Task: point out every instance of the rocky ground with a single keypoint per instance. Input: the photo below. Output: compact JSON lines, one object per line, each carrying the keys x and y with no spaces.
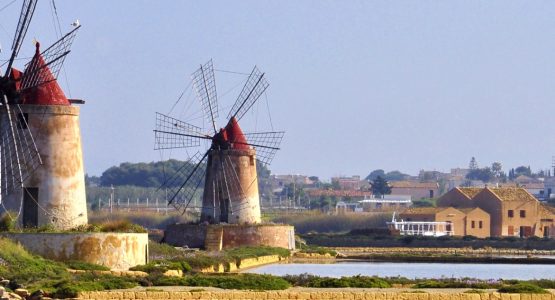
{"x":18,"y":294}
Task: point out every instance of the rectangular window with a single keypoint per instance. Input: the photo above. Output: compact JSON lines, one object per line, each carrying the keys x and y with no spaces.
{"x":511,"y":213}
{"x":480,"y":224}
{"x":522,"y":213}
{"x":473,"y":224}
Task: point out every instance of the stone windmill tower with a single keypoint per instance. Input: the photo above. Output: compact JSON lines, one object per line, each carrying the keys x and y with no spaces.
{"x":228,"y":167}
{"x":41,"y":163}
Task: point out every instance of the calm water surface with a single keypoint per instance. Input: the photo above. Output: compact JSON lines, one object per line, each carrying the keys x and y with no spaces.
{"x":413,"y":270}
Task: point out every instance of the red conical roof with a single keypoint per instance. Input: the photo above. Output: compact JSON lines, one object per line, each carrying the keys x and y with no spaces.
{"x":235,"y":135}
{"x":48,"y":93}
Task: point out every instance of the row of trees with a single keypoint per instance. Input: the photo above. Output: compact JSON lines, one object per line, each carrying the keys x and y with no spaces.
{"x":495,"y":172}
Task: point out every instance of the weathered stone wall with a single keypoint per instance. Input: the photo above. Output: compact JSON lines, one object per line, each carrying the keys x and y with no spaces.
{"x":118,"y":251}
{"x":181,"y":235}
{"x":259,"y":235}
{"x":60,"y":179}
{"x":234,"y":235}
{"x":310,"y":294}
{"x":244,"y":207}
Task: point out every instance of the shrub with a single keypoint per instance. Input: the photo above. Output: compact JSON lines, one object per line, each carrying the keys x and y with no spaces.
{"x":163,"y":266}
{"x":32,"y":271}
{"x":91,"y":282}
{"x":315,"y":249}
{"x":80,"y":265}
{"x":121,"y":226}
{"x":523,"y":288}
{"x":469,"y":238}
{"x":307,"y":222}
{"x":229,"y":281}
{"x":544,"y":283}
{"x":308,"y":280}
{"x":7,"y":223}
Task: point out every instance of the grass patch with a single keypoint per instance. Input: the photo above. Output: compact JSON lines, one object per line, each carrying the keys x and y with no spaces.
{"x":80,"y":265}
{"x":25,"y":269}
{"x":163,"y":266}
{"x":308,"y":280}
{"x":523,"y":288}
{"x":91,"y":282}
{"x":475,"y":291}
{"x":250,"y":252}
{"x":304,"y":248}
{"x":229,"y":281}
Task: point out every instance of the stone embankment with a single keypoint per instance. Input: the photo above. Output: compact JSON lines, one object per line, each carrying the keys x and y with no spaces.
{"x":464,"y":251}
{"x":310,"y":294}
{"x":243,"y":264}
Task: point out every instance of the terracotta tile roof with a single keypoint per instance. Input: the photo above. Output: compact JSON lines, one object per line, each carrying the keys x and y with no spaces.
{"x":413,"y":184}
{"x":470,"y":192}
{"x":512,"y":194}
{"x":533,"y":185}
{"x":546,"y":210}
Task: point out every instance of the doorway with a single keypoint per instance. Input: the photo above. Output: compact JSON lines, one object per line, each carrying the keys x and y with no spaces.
{"x":30,"y":207}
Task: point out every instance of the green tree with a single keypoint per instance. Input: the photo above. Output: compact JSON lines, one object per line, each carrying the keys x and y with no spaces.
{"x":483,"y":174}
{"x":395,"y":176}
{"x":523,"y":170}
{"x":473,"y":165}
{"x":496,"y":168}
{"x":380,"y":186}
{"x":374,"y":174}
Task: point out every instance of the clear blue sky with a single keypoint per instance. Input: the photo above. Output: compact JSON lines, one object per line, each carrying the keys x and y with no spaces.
{"x":357,"y":85}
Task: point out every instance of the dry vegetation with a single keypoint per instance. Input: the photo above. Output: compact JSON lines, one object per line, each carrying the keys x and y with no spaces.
{"x":324,"y":223}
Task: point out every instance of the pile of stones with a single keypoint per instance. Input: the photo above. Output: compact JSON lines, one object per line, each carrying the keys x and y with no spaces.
{"x":18,"y":294}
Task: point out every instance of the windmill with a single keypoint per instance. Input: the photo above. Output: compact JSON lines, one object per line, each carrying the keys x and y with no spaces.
{"x":228,"y":166}
{"x":24,"y":95}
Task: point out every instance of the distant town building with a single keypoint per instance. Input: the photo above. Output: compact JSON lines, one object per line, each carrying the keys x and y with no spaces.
{"x":386,"y":203}
{"x":347,"y":183}
{"x":417,"y":190}
{"x":466,"y":221}
{"x":283,"y":180}
{"x":513,"y":211}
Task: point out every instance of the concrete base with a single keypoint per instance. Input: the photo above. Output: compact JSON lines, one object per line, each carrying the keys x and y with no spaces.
{"x":218,"y":237}
{"x":117,"y":251}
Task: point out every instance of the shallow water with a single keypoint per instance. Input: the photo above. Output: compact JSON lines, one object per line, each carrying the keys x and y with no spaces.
{"x":413,"y":270}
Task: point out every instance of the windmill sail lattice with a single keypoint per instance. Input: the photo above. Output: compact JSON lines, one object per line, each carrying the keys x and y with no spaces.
{"x":19,"y":156}
{"x":52,"y":59}
{"x":253,"y":89}
{"x":172,"y":133}
{"x":204,"y":83}
{"x":227,"y":167}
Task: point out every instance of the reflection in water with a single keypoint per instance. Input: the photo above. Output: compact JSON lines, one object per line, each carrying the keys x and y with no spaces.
{"x":413,"y":270}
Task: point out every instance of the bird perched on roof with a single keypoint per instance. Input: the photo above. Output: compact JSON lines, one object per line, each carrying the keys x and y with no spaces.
{"x":76,"y":23}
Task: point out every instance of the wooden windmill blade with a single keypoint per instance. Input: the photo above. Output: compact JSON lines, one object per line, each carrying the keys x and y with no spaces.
{"x":204,"y":83}
{"x":19,"y":156}
{"x":254,"y":87}
{"x":183,"y":186}
{"x":266,"y":144}
{"x":45,"y":67}
{"x":27,"y":12}
{"x":171,"y":133}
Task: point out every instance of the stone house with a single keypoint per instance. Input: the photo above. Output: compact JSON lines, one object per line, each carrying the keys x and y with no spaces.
{"x":458,"y":197}
{"x":513,"y":211}
{"x":465,"y":221}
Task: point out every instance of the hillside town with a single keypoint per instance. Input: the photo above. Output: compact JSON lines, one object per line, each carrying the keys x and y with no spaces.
{"x":473,"y":201}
